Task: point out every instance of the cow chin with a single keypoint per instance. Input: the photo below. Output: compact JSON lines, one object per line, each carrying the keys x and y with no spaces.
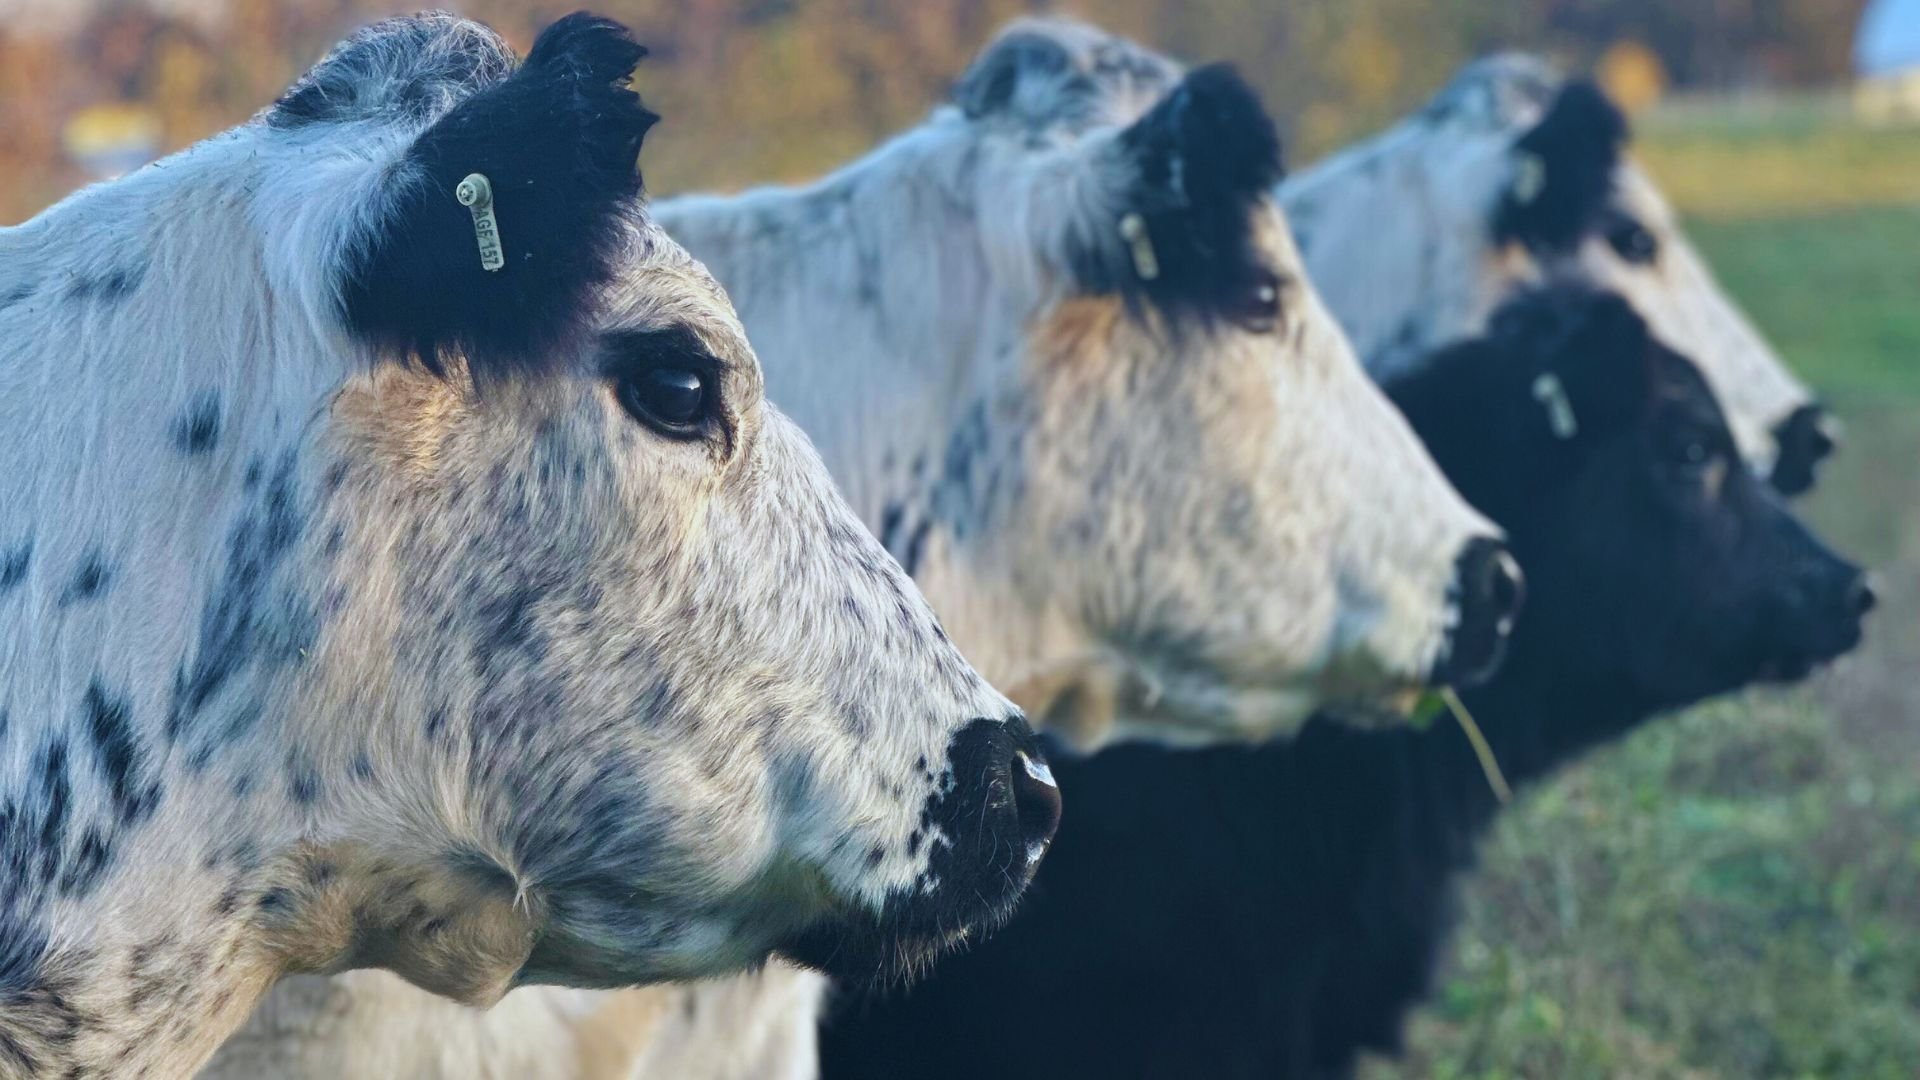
{"x":894,"y":947}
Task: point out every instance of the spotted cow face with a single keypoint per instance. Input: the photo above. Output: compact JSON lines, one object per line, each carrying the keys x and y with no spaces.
{"x":1206,"y":478}
{"x":491,"y":624}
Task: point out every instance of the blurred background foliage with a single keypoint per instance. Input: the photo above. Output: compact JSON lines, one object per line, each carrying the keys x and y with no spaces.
{"x":1732,"y":893}
{"x":764,"y":89}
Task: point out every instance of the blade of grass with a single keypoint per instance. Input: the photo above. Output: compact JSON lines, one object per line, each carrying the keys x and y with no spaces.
{"x":1489,"y":765}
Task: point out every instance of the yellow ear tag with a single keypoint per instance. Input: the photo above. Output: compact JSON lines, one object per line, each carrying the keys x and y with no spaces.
{"x":1133,"y":229}
{"x":476,"y":194}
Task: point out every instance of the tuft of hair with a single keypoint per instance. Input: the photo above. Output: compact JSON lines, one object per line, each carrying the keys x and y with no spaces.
{"x":406,"y":70}
{"x":1206,"y":155}
{"x":1573,"y":152}
{"x":559,"y":141}
{"x":1059,"y":72}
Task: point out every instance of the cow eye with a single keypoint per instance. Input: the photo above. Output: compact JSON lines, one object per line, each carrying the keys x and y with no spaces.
{"x":1633,"y":242}
{"x":665,"y":379}
{"x":1689,"y":451}
{"x":671,"y":399}
{"x":1258,"y":306}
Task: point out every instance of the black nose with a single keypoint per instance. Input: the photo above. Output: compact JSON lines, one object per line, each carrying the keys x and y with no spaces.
{"x":1488,"y":592}
{"x":1036,"y":801}
{"x":1805,"y":439}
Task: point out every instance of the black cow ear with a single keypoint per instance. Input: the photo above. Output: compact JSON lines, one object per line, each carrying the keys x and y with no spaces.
{"x":1588,"y":358}
{"x":994,"y":80}
{"x":1563,"y":171}
{"x":508,"y":212}
{"x":1196,"y":166}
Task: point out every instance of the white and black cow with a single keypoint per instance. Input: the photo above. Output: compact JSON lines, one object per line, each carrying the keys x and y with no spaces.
{"x":400,"y":569}
{"x":1070,"y":369}
{"x":1274,"y":912}
{"x":1513,"y":176}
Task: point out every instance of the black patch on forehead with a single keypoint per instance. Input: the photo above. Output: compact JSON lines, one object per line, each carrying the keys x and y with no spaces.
{"x":992,"y":82}
{"x":558,"y":141}
{"x":1565,"y":168}
{"x":409,"y":68}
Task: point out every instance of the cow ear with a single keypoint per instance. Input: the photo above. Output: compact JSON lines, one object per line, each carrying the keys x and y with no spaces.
{"x":1563,"y":169}
{"x":995,"y":80}
{"x":1590,"y":358}
{"x":1192,"y":170}
{"x":506,"y":215}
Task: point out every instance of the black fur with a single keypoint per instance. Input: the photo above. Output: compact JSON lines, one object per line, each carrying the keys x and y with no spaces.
{"x":1272,"y":912}
{"x":973,"y":867}
{"x":1578,"y":143}
{"x":1206,"y":156}
{"x":559,"y":140}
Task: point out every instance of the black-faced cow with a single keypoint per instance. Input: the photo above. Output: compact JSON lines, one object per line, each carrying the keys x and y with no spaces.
{"x":447,"y":600}
{"x":1057,"y":348}
{"x":1511,"y":177}
{"x":1273,"y":912}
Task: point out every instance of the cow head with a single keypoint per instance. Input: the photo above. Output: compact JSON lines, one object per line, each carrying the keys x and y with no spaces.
{"x":492,"y":626}
{"x":1511,"y":177}
{"x":1202,"y":484}
{"x":1660,"y":567}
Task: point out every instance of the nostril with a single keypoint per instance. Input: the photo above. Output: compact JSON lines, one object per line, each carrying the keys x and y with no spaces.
{"x":1506,"y":589}
{"x":1036,"y":801}
{"x":1862,"y":597}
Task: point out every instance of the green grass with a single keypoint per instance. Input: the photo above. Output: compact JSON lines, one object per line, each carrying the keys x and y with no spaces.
{"x":1837,"y":292}
{"x":1736,"y":892}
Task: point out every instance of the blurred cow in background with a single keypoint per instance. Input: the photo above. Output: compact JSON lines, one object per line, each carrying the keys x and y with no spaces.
{"x":1510,"y":178}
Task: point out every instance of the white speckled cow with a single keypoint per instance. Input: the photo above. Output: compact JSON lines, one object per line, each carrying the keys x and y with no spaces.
{"x":363,"y":607}
{"x":1512,"y":176}
{"x":1058,"y":349}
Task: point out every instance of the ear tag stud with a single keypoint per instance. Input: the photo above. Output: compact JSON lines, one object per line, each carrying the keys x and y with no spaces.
{"x":1531,"y":179}
{"x":1552,"y":395}
{"x":476,"y":194}
{"x":1133,"y":229}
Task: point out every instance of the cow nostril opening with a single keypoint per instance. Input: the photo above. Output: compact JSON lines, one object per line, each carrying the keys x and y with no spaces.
{"x":1036,"y":802}
{"x":1506,"y":589}
{"x":1862,"y":597}
{"x":1489,"y":591}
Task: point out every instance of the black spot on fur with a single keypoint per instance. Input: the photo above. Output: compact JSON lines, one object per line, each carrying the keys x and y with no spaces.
{"x":239,"y":624}
{"x":14,"y":565}
{"x":303,"y":781}
{"x":89,"y":581}
{"x":362,"y":768}
{"x":198,"y":430}
{"x":118,"y":754}
{"x":1577,"y":146}
{"x":88,"y":863}
{"x":558,"y":140}
{"x":113,"y":286}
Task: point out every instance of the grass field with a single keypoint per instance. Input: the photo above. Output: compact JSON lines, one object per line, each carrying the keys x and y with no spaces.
{"x":1736,"y":892}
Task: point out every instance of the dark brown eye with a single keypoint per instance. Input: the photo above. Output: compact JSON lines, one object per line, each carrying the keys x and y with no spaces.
{"x":1633,"y":242}
{"x":673,"y":400}
{"x":1258,"y":306}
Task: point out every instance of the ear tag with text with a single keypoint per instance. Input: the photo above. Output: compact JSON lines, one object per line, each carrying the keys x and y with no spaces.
{"x":1133,"y":229}
{"x":476,"y":194}
{"x":1552,"y":395}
